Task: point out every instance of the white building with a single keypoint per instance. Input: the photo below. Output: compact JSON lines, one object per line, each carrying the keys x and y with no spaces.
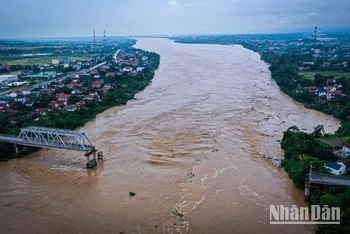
{"x":345,"y":151}
{"x":335,"y":168}
{"x":5,"y":79}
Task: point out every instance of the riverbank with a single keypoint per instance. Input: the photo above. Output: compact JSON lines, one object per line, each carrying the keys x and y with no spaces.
{"x":122,"y":89}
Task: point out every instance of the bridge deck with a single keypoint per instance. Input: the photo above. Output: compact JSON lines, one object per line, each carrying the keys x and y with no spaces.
{"x":328,"y":179}
{"x":50,"y":138}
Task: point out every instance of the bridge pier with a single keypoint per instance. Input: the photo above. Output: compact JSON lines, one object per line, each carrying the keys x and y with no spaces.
{"x":307,"y":189}
{"x":93,"y":162}
{"x":16,"y":148}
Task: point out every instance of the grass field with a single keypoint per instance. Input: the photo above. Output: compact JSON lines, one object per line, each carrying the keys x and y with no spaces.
{"x":4,"y":47}
{"x":335,"y":74}
{"x":18,"y":60}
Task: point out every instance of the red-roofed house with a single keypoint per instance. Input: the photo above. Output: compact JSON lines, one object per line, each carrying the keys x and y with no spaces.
{"x":110,"y":74}
{"x":335,"y":94}
{"x":330,"y":88}
{"x":94,"y":72}
{"x":104,"y":90}
{"x":71,"y":85}
{"x":302,"y":68}
{"x":42,"y":111}
{"x":326,"y":64}
{"x":71,"y":107}
{"x":92,"y":96}
{"x":46,"y":91}
{"x":63,"y":96}
{"x":127,"y":69}
{"x":312,"y":89}
{"x":57,"y":103}
{"x":97,"y":84}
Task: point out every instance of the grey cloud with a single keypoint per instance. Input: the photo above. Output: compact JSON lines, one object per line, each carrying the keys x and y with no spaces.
{"x":39,"y":18}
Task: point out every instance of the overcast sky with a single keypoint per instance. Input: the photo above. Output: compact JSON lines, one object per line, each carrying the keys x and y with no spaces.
{"x":70,"y":18}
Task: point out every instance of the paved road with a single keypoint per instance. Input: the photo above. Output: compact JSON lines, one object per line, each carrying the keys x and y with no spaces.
{"x":330,"y":180}
{"x":116,"y":54}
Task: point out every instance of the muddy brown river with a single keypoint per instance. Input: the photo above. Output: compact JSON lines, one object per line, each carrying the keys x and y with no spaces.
{"x":190,"y":142}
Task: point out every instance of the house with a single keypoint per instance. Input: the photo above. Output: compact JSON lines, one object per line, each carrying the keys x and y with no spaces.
{"x":110,"y":74}
{"x":330,"y":88}
{"x":71,"y":85}
{"x":105,"y":67}
{"x":61,"y":85}
{"x":127,"y":69}
{"x":140,"y":69}
{"x":45,"y":91}
{"x":94,"y":72}
{"x":75,"y":91}
{"x":104,"y":90}
{"x":92,"y":96}
{"x":97,"y":84}
{"x":20,"y":98}
{"x":326,"y":64}
{"x":336,"y":94}
{"x":57,"y":103}
{"x":63,"y":96}
{"x":335,"y":168}
{"x":321,"y":92}
{"x":135,"y":63}
{"x":302,"y":68}
{"x":312,"y":89}
{"x":3,"y":107}
{"x":29,"y":103}
{"x":26,"y":92}
{"x":345,"y":151}
{"x":42,"y":111}
{"x":71,"y":108}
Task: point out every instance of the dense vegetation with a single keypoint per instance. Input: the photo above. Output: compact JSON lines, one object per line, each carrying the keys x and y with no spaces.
{"x":300,"y":150}
{"x":284,"y":73}
{"x":125,"y":89}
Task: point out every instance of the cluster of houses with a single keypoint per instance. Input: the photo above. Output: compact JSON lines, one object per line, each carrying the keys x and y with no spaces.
{"x":80,"y":83}
{"x":328,"y":92}
{"x":342,"y":167}
{"x":25,"y":96}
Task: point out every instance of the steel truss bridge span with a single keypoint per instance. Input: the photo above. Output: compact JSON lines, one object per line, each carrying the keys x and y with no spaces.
{"x":50,"y":138}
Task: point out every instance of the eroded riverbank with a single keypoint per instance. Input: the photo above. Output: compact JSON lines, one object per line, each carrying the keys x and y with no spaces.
{"x":190,"y":142}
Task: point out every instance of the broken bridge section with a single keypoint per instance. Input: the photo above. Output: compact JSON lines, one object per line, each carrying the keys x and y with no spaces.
{"x":53,"y":138}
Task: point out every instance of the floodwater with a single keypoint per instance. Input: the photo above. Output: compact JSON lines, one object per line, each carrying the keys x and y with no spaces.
{"x":189,"y":144}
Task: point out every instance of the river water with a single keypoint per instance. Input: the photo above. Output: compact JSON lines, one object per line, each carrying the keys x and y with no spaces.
{"x":190,"y":143}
